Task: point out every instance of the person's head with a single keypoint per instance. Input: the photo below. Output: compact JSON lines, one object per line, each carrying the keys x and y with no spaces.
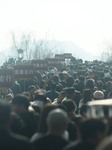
{"x":109,"y":85}
{"x":40,"y":97}
{"x":65,"y":74}
{"x":42,"y":84}
{"x":57,"y":121}
{"x":32,"y":89}
{"x":69,"y":81}
{"x":97,"y":95}
{"x":81,"y":78}
{"x":92,"y":130}
{"x":56,"y":79}
{"x":69,"y":105}
{"x":45,"y":78}
{"x":99,"y":85}
{"x":70,"y":92}
{"x":61,"y":76}
{"x":53,"y":86}
{"x":71,"y":67}
{"x":6,"y":91}
{"x":9,"y":98}
{"x":90,"y":84}
{"x":110,"y":95}
{"x":27,"y":94}
{"x":76,"y":81}
{"x":87,"y":95}
{"x":20,"y":103}
{"x":59,"y":87}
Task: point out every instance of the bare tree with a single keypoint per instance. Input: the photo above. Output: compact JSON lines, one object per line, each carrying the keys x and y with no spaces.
{"x":24,"y":43}
{"x":34,"y":49}
{"x":44,"y":49}
{"x":107,"y":53}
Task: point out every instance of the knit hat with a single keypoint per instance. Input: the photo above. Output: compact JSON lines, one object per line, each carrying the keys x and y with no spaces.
{"x":98,"y":95}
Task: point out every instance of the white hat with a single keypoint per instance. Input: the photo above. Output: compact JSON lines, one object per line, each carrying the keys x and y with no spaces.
{"x":98,"y":95}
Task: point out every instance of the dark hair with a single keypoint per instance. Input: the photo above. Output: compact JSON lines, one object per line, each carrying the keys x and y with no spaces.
{"x":69,"y":105}
{"x":90,"y":84}
{"x":99,"y":84}
{"x":55,"y":78}
{"x":70,"y":82}
{"x":53,"y":86}
{"x":40,"y":96}
{"x":81,"y":78}
{"x":90,"y":128}
{"x":31,"y":87}
{"x":42,"y":83}
{"x":87,"y":95}
{"x":21,"y":99}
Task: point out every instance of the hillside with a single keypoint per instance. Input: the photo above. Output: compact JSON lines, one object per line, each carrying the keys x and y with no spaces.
{"x":60,"y":47}
{"x":77,"y":52}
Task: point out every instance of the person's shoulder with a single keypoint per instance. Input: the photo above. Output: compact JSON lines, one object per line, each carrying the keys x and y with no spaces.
{"x":48,"y":137}
{"x":21,"y":141}
{"x":19,"y":138}
{"x":71,"y":145}
{"x":79,"y":145}
{"x":38,"y":137}
{"x":50,"y":142}
{"x":16,"y":141}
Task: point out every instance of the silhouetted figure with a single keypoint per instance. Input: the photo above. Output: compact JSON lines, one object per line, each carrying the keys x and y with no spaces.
{"x":9,"y":140}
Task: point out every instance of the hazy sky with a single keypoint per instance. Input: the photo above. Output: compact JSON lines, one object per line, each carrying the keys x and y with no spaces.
{"x":87,"y":23}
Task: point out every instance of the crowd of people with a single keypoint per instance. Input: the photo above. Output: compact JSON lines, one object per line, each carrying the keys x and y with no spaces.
{"x":51,"y":111}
